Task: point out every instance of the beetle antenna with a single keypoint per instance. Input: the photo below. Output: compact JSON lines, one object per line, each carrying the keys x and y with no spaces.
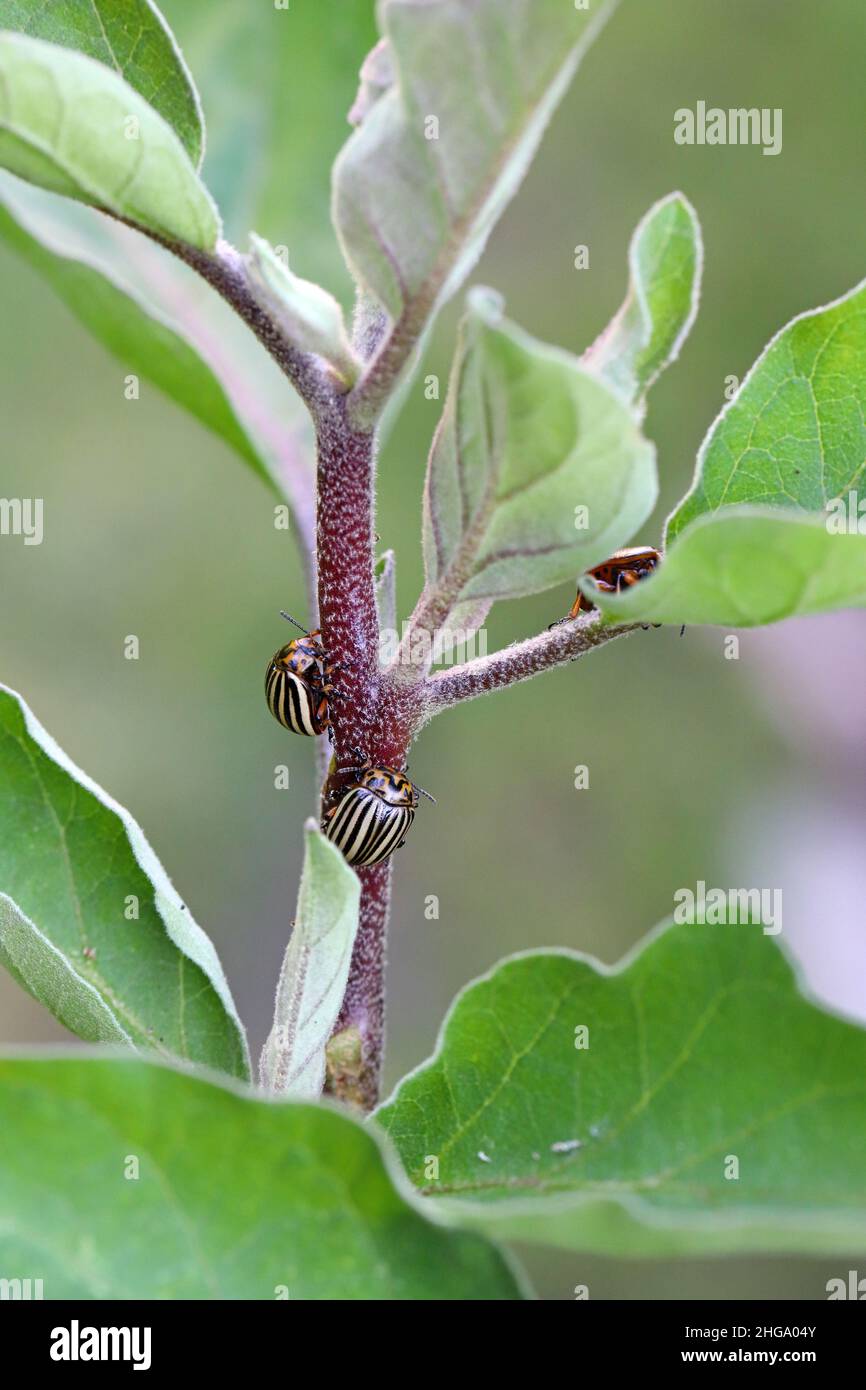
{"x":423,"y":793}
{"x":289,"y":619}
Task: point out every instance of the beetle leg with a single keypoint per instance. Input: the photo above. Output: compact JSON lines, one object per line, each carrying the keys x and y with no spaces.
{"x":361,"y":766}
{"x":581,"y":605}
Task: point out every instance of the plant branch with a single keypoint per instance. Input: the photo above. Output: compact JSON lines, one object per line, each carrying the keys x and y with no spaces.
{"x":367,"y":719}
{"x":389,"y":349}
{"x":347,"y":598}
{"x":519,"y":662}
{"x":362,"y":1016}
{"x":225,"y":271}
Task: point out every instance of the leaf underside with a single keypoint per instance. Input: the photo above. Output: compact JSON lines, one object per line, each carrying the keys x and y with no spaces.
{"x":132,"y":39}
{"x":91,"y":925}
{"x":71,"y":125}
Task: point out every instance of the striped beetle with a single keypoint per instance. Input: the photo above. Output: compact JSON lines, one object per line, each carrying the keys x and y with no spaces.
{"x":298,"y":684}
{"x":372,"y":816}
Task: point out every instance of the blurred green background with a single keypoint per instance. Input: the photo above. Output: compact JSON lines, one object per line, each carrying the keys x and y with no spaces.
{"x":740,"y":772}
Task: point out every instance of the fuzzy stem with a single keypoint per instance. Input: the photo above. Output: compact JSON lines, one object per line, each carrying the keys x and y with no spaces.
{"x":373,"y":718}
{"x":364,"y":1001}
{"x":368,"y":718}
{"x":225,"y":271}
{"x":519,"y":662}
{"x":347,"y":598}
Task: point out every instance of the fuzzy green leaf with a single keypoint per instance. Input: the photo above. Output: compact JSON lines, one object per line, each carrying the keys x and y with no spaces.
{"x":700,"y":1049}
{"x":278,"y":85}
{"x":309,"y":316}
{"x":665,"y":261}
{"x":743,"y":567}
{"x":51,"y":976}
{"x":127,"y":1180}
{"x":314,"y":973}
{"x":794,"y":436}
{"x":132,"y":38}
{"x":71,"y":125}
{"x":91,"y":925}
{"x":527,"y":437}
{"x":451,"y":111}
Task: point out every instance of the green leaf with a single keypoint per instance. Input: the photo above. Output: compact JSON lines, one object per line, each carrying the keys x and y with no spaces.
{"x":527,"y":437}
{"x":145,"y":342}
{"x":130,"y":37}
{"x":700,"y":1048}
{"x":273,"y":421}
{"x":794,"y":436}
{"x":75,"y":869}
{"x":449,"y":122}
{"x":277,"y":86}
{"x":127,"y":1180}
{"x":742,"y":567}
{"x":314,"y":973}
{"x":69,"y":124}
{"x":309,"y":316}
{"x":51,"y":977}
{"x":665,"y":260}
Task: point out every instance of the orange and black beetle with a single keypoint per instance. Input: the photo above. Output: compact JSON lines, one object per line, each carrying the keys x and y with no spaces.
{"x":373,"y":814}
{"x":624,"y":568}
{"x":298,"y":684}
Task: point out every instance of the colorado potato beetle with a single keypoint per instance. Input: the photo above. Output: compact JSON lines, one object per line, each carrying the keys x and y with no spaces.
{"x":373,"y":814}
{"x":624,"y":568}
{"x":298,"y":684}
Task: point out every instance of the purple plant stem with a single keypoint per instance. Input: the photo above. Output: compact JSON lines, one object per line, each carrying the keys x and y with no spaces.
{"x":559,"y":645}
{"x":364,"y":1001}
{"x":369,"y":720}
{"x":347,"y":599}
{"x":372,"y":718}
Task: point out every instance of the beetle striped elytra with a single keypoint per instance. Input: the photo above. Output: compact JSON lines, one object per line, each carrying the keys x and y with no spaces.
{"x":624,"y":568}
{"x":373,"y":814}
{"x":298,"y":684}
